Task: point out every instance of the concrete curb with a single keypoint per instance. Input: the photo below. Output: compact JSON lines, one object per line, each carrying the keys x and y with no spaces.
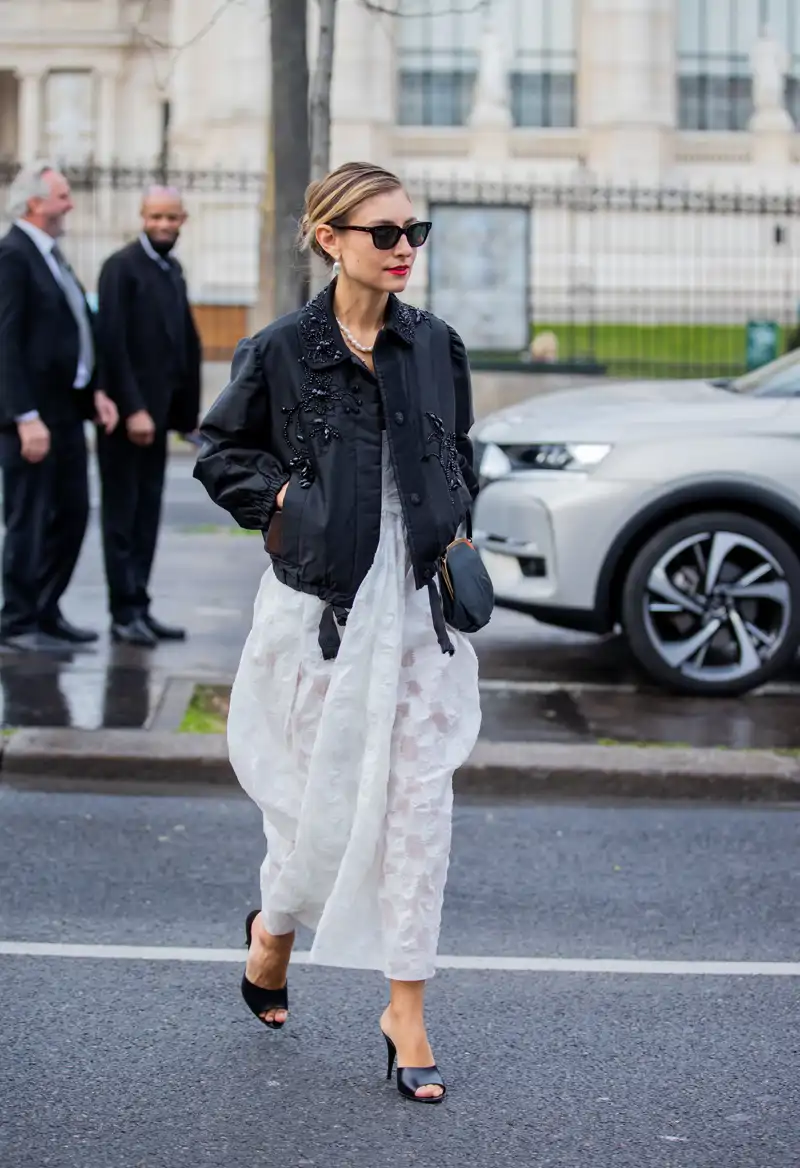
{"x":496,"y":769}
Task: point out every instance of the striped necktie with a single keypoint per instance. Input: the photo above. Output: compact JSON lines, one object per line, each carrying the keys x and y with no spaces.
{"x":79,"y":308}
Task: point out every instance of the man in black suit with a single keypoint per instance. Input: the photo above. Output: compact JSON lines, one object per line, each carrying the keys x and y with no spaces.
{"x":151,"y":366}
{"x":47,"y":390}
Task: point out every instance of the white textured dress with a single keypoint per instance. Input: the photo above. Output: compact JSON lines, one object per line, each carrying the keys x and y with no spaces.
{"x":351,"y":761}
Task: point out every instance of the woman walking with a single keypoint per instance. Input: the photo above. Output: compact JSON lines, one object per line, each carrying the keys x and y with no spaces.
{"x":343,"y":435}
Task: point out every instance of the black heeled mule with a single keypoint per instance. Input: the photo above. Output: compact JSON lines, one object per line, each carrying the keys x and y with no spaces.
{"x":259,"y":1000}
{"x":410,"y":1079}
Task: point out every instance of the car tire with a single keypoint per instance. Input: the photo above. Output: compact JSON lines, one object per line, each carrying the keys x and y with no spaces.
{"x":711,"y":604}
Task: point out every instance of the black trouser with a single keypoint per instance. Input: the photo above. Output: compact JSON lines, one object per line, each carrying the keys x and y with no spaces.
{"x":132,"y":479}
{"x":46,"y":510}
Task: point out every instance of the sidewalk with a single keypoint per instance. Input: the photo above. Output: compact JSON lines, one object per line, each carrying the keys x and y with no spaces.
{"x":496,"y":770}
{"x":562,"y":714}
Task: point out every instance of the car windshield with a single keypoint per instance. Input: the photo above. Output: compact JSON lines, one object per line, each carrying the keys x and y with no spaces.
{"x":779,"y":378}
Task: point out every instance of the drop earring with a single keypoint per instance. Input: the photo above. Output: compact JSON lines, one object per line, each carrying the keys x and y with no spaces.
{"x":337,"y":267}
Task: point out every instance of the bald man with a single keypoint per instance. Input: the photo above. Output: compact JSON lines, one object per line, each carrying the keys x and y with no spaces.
{"x":150,"y":363}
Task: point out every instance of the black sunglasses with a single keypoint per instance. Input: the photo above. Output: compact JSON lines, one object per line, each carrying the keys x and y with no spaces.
{"x":386,"y":235}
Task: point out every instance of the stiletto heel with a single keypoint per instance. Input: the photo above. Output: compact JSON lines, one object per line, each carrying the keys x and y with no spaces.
{"x":392,"y":1051}
{"x":411,"y":1079}
{"x":259,"y":1000}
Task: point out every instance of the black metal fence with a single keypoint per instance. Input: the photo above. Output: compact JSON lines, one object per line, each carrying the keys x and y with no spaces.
{"x":660,"y":282}
{"x":654,"y":282}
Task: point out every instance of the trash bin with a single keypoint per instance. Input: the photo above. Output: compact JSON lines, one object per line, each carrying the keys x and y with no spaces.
{"x":762,"y":342}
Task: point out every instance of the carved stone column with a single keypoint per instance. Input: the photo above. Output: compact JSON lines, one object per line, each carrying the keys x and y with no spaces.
{"x":363,"y":92}
{"x":771,"y":124}
{"x":627,"y":87}
{"x":491,"y":118}
{"x":106,"y":138}
{"x":29,"y":107}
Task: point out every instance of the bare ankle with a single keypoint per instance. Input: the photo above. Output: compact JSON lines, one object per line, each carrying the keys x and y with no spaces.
{"x":278,"y":940}
{"x":404,"y":1016}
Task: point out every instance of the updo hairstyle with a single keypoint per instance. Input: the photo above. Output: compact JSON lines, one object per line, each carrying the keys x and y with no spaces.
{"x":331,"y":199}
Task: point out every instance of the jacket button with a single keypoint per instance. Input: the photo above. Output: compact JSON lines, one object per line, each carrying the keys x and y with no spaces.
{"x":399,"y":417}
{"x":415,"y":499}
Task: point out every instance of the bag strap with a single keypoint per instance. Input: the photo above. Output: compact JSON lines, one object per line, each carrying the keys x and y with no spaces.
{"x":439,"y":623}
{"x":468,"y":522}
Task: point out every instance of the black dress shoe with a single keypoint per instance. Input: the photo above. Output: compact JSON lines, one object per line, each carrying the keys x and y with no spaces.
{"x":34,"y":642}
{"x":135,"y":632}
{"x":163,"y":632}
{"x":62,"y":630}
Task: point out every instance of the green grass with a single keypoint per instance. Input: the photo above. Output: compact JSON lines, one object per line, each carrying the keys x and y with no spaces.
{"x":645,"y":745}
{"x":207,"y":712}
{"x":670,"y":348}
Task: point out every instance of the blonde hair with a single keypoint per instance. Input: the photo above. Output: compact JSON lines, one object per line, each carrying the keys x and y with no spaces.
{"x":331,"y":199}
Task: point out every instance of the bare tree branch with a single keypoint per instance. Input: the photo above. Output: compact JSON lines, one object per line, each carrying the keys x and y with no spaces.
{"x":154,"y":46}
{"x":320,"y":97}
{"x":290,"y":147}
{"x":138,"y":28}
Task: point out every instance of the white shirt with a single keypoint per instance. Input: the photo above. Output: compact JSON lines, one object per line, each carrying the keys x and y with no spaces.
{"x":152,"y":253}
{"x":45,"y":244}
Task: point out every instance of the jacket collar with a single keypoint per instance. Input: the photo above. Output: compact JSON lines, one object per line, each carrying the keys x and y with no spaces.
{"x":321,"y":339}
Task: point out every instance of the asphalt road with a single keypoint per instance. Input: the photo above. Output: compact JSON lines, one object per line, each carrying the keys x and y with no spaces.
{"x":113,"y":1063}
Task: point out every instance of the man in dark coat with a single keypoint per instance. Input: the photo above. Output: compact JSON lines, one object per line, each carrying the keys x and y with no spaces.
{"x":48,"y":388}
{"x":151,"y":364}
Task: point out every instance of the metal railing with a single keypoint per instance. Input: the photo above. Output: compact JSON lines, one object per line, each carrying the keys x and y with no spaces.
{"x":653,"y":282}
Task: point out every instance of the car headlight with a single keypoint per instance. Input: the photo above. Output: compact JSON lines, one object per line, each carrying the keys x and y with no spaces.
{"x":495,"y":463}
{"x":568,"y":456}
{"x":564,"y":455}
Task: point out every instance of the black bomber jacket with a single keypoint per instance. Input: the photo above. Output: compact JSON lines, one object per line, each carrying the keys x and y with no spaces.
{"x":301,"y":409}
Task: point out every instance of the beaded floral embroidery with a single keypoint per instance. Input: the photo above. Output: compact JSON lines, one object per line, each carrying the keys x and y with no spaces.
{"x":319,"y":340}
{"x":406,"y":319}
{"x":309,"y":420}
{"x":447,"y":453}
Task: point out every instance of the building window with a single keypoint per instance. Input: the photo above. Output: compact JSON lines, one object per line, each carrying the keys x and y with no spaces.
{"x":70,"y":116}
{"x":439,"y":50}
{"x":715,"y":39}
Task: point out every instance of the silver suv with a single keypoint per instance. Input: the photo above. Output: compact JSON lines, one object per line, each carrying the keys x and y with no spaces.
{"x":669,"y":509}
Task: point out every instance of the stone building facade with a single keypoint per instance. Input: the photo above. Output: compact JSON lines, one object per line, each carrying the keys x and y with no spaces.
{"x":488,"y":98}
{"x":651,"y":90}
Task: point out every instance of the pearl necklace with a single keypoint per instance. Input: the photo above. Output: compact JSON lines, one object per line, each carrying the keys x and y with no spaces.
{"x":351,"y":340}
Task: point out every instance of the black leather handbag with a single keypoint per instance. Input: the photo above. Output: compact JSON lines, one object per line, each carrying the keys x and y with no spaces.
{"x":465,"y":586}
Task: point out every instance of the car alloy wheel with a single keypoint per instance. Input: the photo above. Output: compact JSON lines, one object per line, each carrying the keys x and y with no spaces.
{"x":711,"y":604}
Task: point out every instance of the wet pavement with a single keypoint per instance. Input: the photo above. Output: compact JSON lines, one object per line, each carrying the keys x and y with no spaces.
{"x":539,"y":683}
{"x":610,"y":717}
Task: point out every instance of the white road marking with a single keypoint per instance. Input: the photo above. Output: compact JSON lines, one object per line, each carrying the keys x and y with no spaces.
{"x":507,"y":685}
{"x":576,"y":688}
{"x":496,"y":684}
{"x":494,"y":964}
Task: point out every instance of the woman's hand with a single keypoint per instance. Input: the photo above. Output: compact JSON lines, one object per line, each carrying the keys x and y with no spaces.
{"x":280,"y":497}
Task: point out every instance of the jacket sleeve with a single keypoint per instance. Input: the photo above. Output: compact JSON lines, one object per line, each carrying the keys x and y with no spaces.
{"x":115,"y":372}
{"x":464,"y":415}
{"x":16,"y":391}
{"x":235,"y":464}
{"x":195,"y":347}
